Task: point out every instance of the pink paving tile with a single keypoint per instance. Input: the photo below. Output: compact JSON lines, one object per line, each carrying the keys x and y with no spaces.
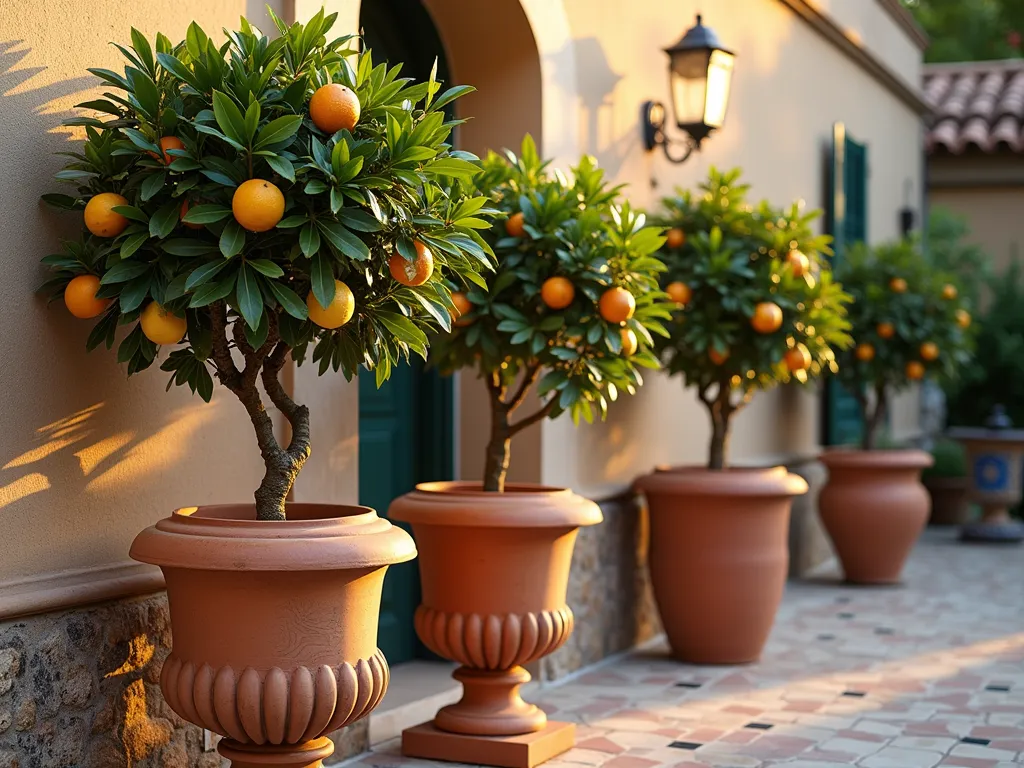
{"x":997,"y":732}
{"x":636,"y":714}
{"x":1013,"y":745}
{"x":804,"y":706}
{"x":663,"y":680}
{"x":927,"y":729}
{"x":743,"y":710}
{"x":703,"y":735}
{"x":970,"y":762}
{"x":863,"y":735}
{"x":777,"y":747}
{"x":625,"y":761}
{"x":601,"y":744}
{"x":828,"y":756}
{"x":741,"y":737}
{"x":972,"y":682}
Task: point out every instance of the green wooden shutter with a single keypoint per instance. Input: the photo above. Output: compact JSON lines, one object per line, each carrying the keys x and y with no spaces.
{"x":848,"y":224}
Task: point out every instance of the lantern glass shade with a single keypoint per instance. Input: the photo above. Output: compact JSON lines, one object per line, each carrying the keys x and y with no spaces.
{"x":700,"y":81}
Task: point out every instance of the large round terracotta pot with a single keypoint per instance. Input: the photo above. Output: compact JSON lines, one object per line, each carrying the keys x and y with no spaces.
{"x":494,"y":569}
{"x":874,"y":507}
{"x":274,"y":624}
{"x":949,"y":503}
{"x":719,"y":557}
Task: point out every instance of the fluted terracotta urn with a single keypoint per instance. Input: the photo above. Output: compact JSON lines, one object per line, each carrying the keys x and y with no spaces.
{"x":274,"y":624}
{"x":494,"y":569}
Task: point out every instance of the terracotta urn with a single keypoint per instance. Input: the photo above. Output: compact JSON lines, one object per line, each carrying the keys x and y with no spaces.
{"x":719,"y":557}
{"x":274,"y":624}
{"x":874,"y":507}
{"x":494,"y":569}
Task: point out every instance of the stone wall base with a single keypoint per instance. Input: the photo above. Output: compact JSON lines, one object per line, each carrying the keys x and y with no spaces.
{"x":809,"y":546}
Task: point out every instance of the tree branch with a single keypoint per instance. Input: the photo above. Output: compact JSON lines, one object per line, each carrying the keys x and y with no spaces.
{"x":534,"y":417}
{"x":227,"y":372}
{"x":297,"y":415}
{"x":529,"y":379}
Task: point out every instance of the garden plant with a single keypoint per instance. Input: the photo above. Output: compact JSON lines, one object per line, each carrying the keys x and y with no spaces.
{"x":266,"y":200}
{"x":573,"y":306}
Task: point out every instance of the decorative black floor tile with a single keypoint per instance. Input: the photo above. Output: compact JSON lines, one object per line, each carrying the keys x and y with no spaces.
{"x":685,"y":745}
{"x":975,"y":740}
{"x":689,"y":685}
{"x":845,"y":615}
{"x":999,"y":688}
{"x":842,"y":599}
{"x":826,"y":637}
{"x":884,"y":630}
{"x":759,"y":726}
{"x":855,"y":694}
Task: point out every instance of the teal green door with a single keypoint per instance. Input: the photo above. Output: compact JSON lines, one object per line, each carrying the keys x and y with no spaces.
{"x":848,"y":224}
{"x":406,"y":433}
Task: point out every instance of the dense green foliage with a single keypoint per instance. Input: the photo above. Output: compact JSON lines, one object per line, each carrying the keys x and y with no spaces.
{"x":241,"y":111}
{"x":970,"y":30}
{"x":950,"y":460}
{"x":948,"y":250}
{"x":735,"y":257}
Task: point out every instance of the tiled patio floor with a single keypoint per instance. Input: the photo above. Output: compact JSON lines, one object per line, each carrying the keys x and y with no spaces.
{"x":930,"y":673}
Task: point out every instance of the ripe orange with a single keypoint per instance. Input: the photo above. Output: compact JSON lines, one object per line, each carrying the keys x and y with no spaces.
{"x":864,"y":352}
{"x":963,"y":318}
{"x":885,"y":330}
{"x":557,"y":292}
{"x":718,"y":357}
{"x":798,"y":358}
{"x":914,"y":370}
{"x":949,"y":291}
{"x":929,"y":351}
{"x":333,"y":108}
{"x":340,"y":310}
{"x":679,"y":292}
{"x":898,"y":285}
{"x":80,"y":297}
{"x":616,"y":305}
{"x":166,"y":143}
{"x":183,"y":211}
{"x":462,"y":307}
{"x":798,"y":263}
{"x":675,"y":238}
{"x":161,"y":326}
{"x":412,"y":273}
{"x":767,"y":317}
{"x":629,"y":341}
{"x":102,"y":221}
{"x":514,"y":225}
{"x":257,"y":205}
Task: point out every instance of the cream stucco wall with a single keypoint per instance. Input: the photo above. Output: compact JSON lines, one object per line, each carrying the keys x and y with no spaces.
{"x":994,"y":215}
{"x":88,"y":457}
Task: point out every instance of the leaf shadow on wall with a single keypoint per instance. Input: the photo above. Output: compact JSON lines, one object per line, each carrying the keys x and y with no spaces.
{"x":597,"y":82}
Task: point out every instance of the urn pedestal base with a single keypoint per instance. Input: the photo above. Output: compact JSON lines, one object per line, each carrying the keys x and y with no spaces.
{"x":491,"y":705}
{"x":308,"y":755}
{"x":525,"y":751}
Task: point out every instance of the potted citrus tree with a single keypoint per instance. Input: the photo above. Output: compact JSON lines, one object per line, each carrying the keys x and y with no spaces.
{"x":756,"y":306}
{"x":569,"y":313}
{"x":908,"y":323}
{"x":248,"y":204}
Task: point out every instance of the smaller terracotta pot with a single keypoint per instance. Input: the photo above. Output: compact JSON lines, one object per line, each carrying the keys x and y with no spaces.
{"x":719,"y":557}
{"x":949,"y":504}
{"x":494,"y":570}
{"x":874,"y":507}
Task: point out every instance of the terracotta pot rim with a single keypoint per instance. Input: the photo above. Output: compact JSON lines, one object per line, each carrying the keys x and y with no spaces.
{"x":734,"y":481}
{"x":904,"y":458}
{"x":319,"y":537}
{"x":522,"y":505}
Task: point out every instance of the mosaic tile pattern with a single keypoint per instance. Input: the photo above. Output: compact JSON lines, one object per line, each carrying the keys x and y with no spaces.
{"x":927,"y":674}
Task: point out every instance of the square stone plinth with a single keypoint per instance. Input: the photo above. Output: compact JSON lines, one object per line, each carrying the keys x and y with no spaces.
{"x":524,"y":751}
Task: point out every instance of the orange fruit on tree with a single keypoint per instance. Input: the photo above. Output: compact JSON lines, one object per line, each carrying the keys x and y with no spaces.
{"x":864,"y":352}
{"x":679,"y":292}
{"x":257,"y":205}
{"x":914,"y":370}
{"x":166,"y":143}
{"x":515,"y":224}
{"x":767,"y":317}
{"x":630,"y":344}
{"x":80,"y":297}
{"x":898,"y":285}
{"x":412,"y":273}
{"x":182,"y":211}
{"x":949,"y":291}
{"x":718,"y":358}
{"x":334,"y":107}
{"x":885,"y":330}
{"x":463,"y":307}
{"x":338,"y":312}
{"x":963,"y":318}
{"x":798,"y":263}
{"x":675,"y":238}
{"x":929,"y":351}
{"x":100,"y":219}
{"x":557,"y":292}
{"x":798,"y":358}
{"x":161,"y":326}
{"x":616,"y":305}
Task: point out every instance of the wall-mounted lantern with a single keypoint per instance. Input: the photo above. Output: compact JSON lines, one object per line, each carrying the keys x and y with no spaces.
{"x":700,"y":74}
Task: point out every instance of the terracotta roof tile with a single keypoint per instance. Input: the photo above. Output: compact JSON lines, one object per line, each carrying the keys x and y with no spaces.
{"x":976,"y":105}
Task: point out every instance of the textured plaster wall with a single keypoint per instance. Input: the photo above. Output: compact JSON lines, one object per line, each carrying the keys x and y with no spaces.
{"x":993,"y":214}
